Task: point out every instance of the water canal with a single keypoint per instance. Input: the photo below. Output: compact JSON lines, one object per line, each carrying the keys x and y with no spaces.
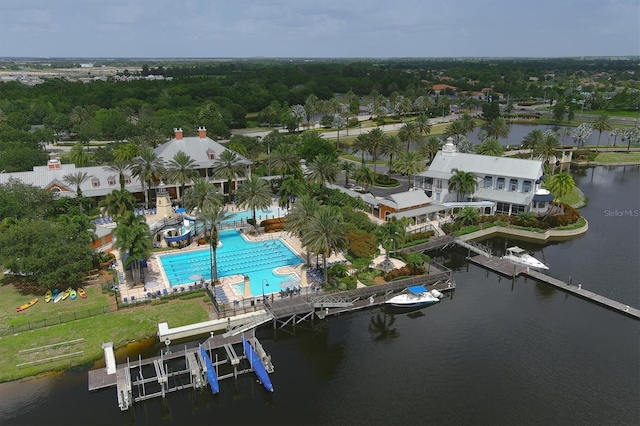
{"x":498,"y":352}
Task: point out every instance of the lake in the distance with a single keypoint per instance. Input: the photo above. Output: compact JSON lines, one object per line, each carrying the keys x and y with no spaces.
{"x":498,"y":352}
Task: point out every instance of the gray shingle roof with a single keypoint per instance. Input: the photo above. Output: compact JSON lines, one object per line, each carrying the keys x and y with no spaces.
{"x":195,"y":147}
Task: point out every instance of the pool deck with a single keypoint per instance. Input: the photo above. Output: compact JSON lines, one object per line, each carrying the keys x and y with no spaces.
{"x":156,"y":280}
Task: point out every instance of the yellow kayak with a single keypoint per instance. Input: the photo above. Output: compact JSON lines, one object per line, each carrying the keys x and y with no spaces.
{"x":29,"y":304}
{"x":66,"y":293}
{"x":47,"y":296}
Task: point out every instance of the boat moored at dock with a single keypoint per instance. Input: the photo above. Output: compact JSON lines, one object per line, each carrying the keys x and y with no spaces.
{"x":416,"y":297}
{"x":517,"y":255}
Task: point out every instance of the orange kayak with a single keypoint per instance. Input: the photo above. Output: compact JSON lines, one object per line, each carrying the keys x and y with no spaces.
{"x":81,"y":293}
{"x":29,"y":304}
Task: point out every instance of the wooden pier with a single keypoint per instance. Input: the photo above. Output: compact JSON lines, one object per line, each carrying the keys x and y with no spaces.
{"x":509,"y":269}
{"x":143,"y":379}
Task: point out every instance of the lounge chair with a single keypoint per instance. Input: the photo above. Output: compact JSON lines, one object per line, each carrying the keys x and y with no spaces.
{"x":125,"y":300}
{"x":165,"y":292}
{"x":133,"y":298}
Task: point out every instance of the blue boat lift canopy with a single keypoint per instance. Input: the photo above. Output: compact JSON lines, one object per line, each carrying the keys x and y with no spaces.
{"x":416,"y":289}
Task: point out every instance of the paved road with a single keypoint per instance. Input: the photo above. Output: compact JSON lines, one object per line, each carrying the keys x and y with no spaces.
{"x":351,"y":132}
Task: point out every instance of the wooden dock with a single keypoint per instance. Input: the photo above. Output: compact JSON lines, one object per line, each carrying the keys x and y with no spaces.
{"x":509,"y":269}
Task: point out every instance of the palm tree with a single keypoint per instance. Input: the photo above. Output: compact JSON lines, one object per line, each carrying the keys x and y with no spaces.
{"x":348,"y":168}
{"x":468,"y":216}
{"x":497,"y":128}
{"x":532,"y":140}
{"x":325,"y":234}
{"x":391,"y":147}
{"x":423,"y":124}
{"x":561,"y":184}
{"x":376,"y":139}
{"x":322,"y":169}
{"x":119,"y":167}
{"x":409,"y":133}
{"x":388,"y":235}
{"x":455,"y":129}
{"x":548,"y":149}
{"x":468,"y":122}
{"x":147,"y":166}
{"x":78,"y":156}
{"x":361,"y":143}
{"x":254,"y":193}
{"x":181,"y":169}
{"x":229,"y":165}
{"x":430,"y":148}
{"x":297,"y":221}
{"x":490,"y":147}
{"x":411,"y":162}
{"x":463,"y":183}
{"x":364,"y":176}
{"x":126,"y":152}
{"x":213,"y":215}
{"x":77,"y":179}
{"x":133,"y":239}
{"x":602,"y":123}
{"x":118,"y":203}
{"x":290,"y":188}
{"x":201,"y":194}
{"x":285,"y":159}
{"x":464,"y":145}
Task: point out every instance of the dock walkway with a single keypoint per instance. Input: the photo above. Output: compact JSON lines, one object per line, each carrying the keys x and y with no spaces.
{"x":509,"y":269}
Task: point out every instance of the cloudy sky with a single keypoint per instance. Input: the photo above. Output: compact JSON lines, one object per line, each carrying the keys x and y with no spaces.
{"x":319,"y":28}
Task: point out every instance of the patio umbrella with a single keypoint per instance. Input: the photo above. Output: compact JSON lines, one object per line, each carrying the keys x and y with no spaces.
{"x":180,"y":210}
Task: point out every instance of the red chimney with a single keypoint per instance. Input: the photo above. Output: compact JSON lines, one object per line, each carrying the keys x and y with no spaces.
{"x":202,"y":132}
{"x":178,"y":133}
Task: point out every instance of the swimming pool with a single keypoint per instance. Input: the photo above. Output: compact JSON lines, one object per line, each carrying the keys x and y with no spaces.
{"x":235,"y":256}
{"x":270,"y":213}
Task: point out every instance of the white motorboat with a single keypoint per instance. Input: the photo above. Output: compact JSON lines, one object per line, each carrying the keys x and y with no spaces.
{"x":417,"y":296}
{"x":517,"y":255}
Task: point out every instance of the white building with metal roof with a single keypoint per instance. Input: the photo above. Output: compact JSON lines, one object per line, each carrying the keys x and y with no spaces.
{"x":510,"y":183}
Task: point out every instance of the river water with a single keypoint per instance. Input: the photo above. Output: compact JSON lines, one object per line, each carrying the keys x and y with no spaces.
{"x":496,"y":352}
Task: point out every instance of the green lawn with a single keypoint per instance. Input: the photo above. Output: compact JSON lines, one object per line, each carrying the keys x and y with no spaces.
{"x":618,"y":157}
{"x":614,"y":113}
{"x":11,"y":298}
{"x":122,"y":327}
{"x":571,"y":198}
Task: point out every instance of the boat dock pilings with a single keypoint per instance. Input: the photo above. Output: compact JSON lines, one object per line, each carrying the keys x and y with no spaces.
{"x":143,"y":379}
{"x":511,"y":270}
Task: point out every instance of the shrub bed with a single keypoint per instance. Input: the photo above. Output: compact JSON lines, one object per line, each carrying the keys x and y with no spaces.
{"x":273,"y":225}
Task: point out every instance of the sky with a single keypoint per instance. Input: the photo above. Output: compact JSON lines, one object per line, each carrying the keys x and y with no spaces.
{"x":318,"y":28}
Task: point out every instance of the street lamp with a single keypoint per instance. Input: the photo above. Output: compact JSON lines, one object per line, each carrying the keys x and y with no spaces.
{"x":264,"y":282}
